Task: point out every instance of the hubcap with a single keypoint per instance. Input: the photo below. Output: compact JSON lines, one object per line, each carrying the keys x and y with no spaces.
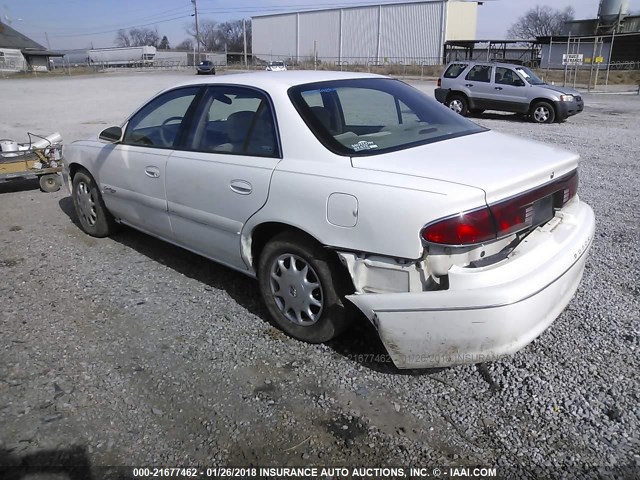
{"x":86,"y":204}
{"x":296,"y":289}
{"x":541,"y":114}
{"x":455,"y":105}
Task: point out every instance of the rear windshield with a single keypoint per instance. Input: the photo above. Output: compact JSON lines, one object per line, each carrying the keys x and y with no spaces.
{"x":454,"y":70}
{"x":277,"y":64}
{"x":364,"y":117}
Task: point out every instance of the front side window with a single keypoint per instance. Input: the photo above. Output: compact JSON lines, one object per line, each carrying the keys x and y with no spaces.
{"x":234,"y":120}
{"x":479,"y":73}
{"x":506,"y":76}
{"x":157,"y":123}
{"x":364,"y":117}
{"x":531,"y":77}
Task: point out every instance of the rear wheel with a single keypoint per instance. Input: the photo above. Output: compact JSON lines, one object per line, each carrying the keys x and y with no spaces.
{"x":94,"y":217}
{"x":458,"y":104}
{"x":302,"y":288}
{"x":543,"y":112}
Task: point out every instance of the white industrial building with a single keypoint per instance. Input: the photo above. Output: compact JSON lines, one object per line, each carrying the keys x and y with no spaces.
{"x":407,"y":33}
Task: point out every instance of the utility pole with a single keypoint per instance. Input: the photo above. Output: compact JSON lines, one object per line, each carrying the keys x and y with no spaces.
{"x":46,"y":35}
{"x":244,"y":33}
{"x":195,"y":14}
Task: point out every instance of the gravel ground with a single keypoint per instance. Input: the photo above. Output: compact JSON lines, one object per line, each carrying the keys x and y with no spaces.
{"x":130,"y":351}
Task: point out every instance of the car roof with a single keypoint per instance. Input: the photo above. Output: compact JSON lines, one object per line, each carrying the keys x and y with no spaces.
{"x":493,"y":64}
{"x":285,"y":80}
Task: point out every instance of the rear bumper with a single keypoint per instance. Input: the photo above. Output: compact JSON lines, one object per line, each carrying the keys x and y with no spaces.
{"x":441,"y":94}
{"x":491,"y":311}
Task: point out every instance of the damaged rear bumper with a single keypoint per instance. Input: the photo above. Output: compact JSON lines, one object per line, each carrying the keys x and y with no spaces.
{"x":490,"y":311}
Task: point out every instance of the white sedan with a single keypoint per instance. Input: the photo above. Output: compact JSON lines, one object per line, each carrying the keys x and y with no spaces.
{"x":459,"y":244}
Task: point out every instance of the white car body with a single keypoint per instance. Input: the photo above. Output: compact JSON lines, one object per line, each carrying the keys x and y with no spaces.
{"x":498,"y":295}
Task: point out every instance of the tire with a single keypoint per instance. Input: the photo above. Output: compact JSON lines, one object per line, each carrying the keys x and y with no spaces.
{"x":458,"y":104}
{"x":50,"y":183}
{"x":94,"y":217}
{"x":543,"y":112}
{"x":283,"y":280}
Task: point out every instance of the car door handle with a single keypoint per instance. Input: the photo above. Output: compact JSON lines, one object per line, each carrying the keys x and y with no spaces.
{"x":468,"y":84}
{"x":151,"y":171}
{"x":498,"y":88}
{"x":241,"y":186}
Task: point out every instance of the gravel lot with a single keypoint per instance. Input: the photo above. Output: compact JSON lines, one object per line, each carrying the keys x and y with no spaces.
{"x":130,"y":351}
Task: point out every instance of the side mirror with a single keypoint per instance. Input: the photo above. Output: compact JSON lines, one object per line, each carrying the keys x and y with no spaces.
{"x":111,"y":135}
{"x":518,"y":82}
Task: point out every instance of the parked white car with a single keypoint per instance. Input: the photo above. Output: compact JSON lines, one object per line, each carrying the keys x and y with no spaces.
{"x":458,"y":243}
{"x":276,"y":67}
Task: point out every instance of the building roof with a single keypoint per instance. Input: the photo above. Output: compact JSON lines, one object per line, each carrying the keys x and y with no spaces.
{"x":11,"y":38}
{"x":374,"y":3}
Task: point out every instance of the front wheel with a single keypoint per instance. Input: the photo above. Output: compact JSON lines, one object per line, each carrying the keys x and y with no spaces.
{"x":94,"y":217}
{"x":302,"y":288}
{"x":458,"y":104}
{"x":543,"y":112}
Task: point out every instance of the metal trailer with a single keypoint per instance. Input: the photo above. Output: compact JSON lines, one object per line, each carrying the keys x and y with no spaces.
{"x":44,"y":163}
{"x":122,"y":56}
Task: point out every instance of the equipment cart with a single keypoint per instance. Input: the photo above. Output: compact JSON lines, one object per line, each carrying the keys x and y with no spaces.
{"x":41,"y":158}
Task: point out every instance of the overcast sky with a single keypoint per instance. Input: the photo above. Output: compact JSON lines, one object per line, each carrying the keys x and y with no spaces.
{"x":86,"y":23}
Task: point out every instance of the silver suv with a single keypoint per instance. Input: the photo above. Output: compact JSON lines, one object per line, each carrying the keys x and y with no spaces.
{"x":473,"y":87}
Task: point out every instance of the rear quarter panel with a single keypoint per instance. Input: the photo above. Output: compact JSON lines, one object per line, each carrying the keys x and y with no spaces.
{"x":391,"y":208}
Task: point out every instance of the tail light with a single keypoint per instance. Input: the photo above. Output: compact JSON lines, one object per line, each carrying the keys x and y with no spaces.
{"x":503,"y":218}
{"x":439,"y":82}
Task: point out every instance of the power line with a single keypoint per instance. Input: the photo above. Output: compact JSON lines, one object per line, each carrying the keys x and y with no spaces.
{"x":121,"y":28}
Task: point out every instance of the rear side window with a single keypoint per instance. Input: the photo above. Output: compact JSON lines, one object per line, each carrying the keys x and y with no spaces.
{"x":454,"y":70}
{"x":480,"y":73}
{"x":234,"y":120}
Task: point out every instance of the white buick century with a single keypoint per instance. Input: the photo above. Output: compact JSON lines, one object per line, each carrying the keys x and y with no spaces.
{"x":458,"y":243}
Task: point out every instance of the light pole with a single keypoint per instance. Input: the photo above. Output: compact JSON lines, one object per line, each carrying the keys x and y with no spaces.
{"x":195,"y":13}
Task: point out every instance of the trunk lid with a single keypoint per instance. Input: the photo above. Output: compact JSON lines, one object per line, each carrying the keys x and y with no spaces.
{"x":501,"y":165}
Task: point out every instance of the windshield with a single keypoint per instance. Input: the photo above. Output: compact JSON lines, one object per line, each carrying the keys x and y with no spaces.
{"x":529,"y":76}
{"x":370,"y":116}
{"x":277,"y":64}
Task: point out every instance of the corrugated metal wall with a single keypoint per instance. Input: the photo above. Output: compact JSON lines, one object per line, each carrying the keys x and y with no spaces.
{"x":274,"y":37}
{"x":324,"y":28}
{"x":411,"y":31}
{"x":359,"y":34}
{"x":395,"y":33}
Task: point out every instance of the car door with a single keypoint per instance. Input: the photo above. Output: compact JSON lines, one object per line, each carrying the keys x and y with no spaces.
{"x":510,"y":90}
{"x":478,"y":83}
{"x":221,"y":176}
{"x":131,"y":173}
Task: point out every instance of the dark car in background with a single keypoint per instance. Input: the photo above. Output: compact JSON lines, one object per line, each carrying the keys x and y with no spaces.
{"x":206,"y":67}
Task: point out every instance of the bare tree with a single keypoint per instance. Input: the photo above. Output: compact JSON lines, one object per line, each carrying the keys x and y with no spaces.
{"x":186,"y":44}
{"x":541,"y":22}
{"x":122,"y":39}
{"x":141,"y":37}
{"x":215,"y":36}
{"x":209,"y":37}
{"x":232,"y":34}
